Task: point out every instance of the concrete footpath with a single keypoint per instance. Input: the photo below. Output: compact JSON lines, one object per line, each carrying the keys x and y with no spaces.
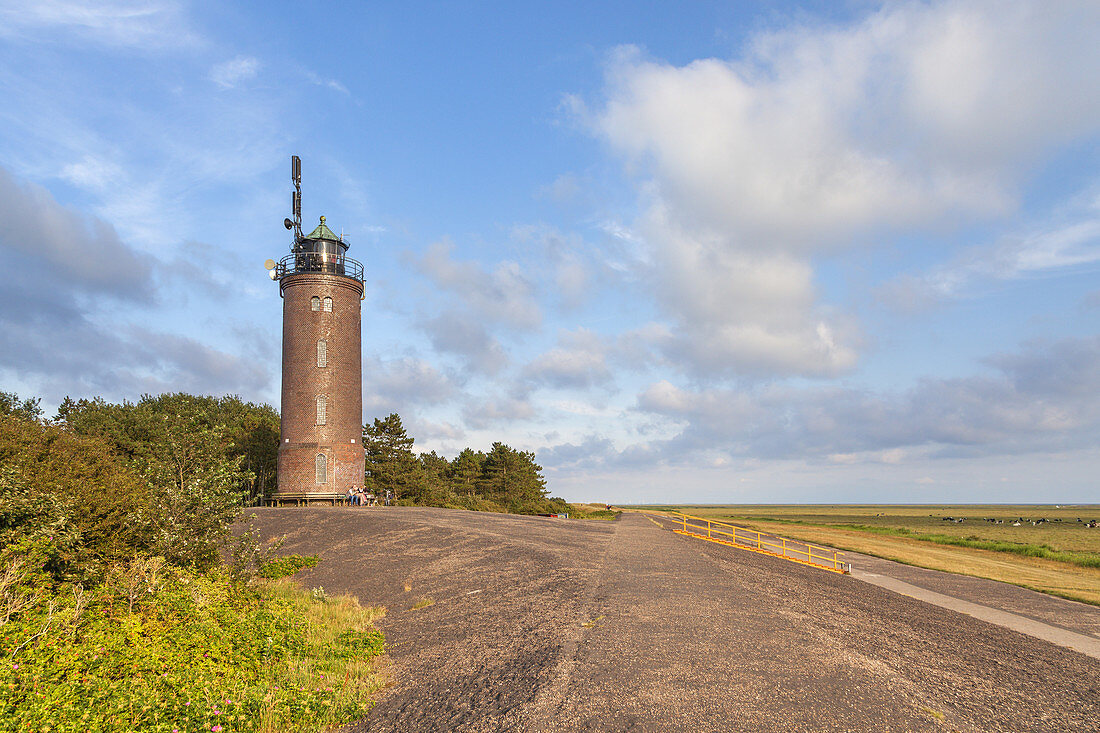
{"x":1068,"y":613}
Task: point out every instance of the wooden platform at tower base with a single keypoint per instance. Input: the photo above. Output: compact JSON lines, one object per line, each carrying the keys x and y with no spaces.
{"x":305,"y":498}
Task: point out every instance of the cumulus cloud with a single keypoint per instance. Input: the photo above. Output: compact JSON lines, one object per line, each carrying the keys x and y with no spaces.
{"x":467,"y":338}
{"x":488,"y":411}
{"x":566,"y":255}
{"x":503,"y":295}
{"x":67,"y":307}
{"x":918,"y":116}
{"x":396,"y":385}
{"x":820,"y":132}
{"x":83,"y":253}
{"x":592,"y":449}
{"x":578,"y":362}
{"x":741,"y":311}
{"x":1045,"y":397}
{"x":428,"y":430}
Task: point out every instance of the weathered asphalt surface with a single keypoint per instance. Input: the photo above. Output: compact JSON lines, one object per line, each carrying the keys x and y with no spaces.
{"x":556,"y":625}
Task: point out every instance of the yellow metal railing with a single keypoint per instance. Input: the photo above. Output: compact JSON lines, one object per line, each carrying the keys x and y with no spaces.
{"x":749,"y":539}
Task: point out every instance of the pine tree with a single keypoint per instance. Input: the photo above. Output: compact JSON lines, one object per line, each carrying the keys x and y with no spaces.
{"x":465,"y":471}
{"x":513,"y":479}
{"x":391,"y":465}
{"x":436,"y":473}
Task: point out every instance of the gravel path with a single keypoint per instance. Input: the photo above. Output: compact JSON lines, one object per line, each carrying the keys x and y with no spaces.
{"x":555,"y":625}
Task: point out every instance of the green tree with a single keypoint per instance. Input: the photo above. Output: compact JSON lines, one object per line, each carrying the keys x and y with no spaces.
{"x":10,"y":404}
{"x":74,"y":493}
{"x":249,"y":431}
{"x":184,"y":448}
{"x":466,"y":470}
{"x":435,"y":472}
{"x":391,"y":464}
{"x":513,"y":479}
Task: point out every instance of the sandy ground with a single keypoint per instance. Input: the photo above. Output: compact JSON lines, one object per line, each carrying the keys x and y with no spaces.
{"x":558,"y":625}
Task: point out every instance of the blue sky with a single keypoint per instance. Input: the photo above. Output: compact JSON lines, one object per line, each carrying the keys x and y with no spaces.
{"x":713,"y":252}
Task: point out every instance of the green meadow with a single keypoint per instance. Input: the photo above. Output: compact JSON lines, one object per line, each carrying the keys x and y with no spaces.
{"x":1060,"y":556}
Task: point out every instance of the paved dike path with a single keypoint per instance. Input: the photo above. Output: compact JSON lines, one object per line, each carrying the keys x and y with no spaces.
{"x":554,"y":625}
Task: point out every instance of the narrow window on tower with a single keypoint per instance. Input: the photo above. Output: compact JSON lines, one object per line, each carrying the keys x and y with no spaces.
{"x":322,"y":407}
{"x":315,"y":303}
{"x":322,"y":353}
{"x":328,"y":304}
{"x":322,"y":468}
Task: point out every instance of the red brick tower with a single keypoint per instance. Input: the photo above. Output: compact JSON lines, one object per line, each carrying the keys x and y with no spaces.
{"x":321,"y":425}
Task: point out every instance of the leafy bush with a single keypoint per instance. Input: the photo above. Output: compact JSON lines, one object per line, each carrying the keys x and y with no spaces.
{"x":161,"y":477}
{"x":286,"y":566}
{"x":160,"y":648}
{"x":597,"y":514}
{"x":116,"y":613}
{"x":74,"y":490}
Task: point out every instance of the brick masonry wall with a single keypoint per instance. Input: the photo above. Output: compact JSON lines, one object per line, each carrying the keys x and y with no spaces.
{"x":341,"y":381}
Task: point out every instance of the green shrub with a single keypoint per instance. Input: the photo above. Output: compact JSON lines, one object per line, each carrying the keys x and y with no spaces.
{"x":74,"y":490}
{"x":284,"y":567}
{"x":161,"y":648}
{"x":597,"y":514}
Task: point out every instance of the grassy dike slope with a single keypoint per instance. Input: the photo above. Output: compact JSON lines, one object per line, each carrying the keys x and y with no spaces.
{"x":919,"y":535}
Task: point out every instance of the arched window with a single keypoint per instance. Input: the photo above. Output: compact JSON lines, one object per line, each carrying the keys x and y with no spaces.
{"x":322,"y":353}
{"x":321,"y":464}
{"x":322,"y":409}
{"x":328,"y":304}
{"x":315,"y":303}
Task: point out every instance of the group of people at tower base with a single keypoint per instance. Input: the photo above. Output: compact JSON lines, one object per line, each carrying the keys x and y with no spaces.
{"x":358,"y":496}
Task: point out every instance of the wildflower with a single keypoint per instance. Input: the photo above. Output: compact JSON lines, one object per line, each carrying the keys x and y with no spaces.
{"x":216,"y":728}
{"x":15,"y":666}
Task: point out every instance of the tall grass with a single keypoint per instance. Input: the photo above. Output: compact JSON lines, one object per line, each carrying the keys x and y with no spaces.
{"x":1044,"y":551}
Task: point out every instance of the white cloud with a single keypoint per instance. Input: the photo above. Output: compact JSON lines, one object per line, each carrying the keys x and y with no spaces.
{"x":61,"y":327}
{"x":396,"y":385}
{"x":137,"y":24}
{"x":743,"y":311}
{"x":918,"y":116}
{"x":484,"y":412}
{"x":502,"y":295}
{"x":454,"y":333}
{"x":1069,"y":244}
{"x":578,"y":362}
{"x":327,"y":83}
{"x":229,"y":74}
{"x":92,"y":173}
{"x":1044,"y":397}
{"x":82,"y":253}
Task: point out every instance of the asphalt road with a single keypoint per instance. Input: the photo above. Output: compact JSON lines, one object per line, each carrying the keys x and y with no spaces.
{"x":558,"y":625}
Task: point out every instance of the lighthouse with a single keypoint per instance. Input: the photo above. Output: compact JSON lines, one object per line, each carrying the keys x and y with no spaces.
{"x":321,"y":416}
